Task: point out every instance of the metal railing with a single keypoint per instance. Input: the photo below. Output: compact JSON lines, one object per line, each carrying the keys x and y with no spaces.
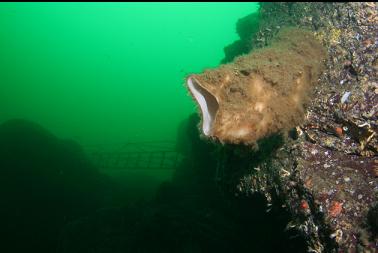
{"x":133,"y":156}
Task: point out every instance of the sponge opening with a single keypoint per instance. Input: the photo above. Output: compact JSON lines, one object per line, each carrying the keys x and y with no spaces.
{"x":206,"y":101}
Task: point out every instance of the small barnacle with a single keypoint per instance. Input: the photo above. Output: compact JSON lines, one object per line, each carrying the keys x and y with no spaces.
{"x":284,"y":173}
{"x":345,"y":97}
{"x":290,"y":225}
{"x":299,"y":131}
{"x":338,"y":234}
{"x":364,"y":124}
{"x":314,"y":151}
{"x":347,"y":179}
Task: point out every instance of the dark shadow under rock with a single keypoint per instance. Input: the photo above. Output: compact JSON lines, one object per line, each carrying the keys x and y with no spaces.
{"x":44,"y":183}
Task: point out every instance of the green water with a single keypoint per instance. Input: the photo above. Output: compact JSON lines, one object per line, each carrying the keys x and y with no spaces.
{"x":109,"y":72}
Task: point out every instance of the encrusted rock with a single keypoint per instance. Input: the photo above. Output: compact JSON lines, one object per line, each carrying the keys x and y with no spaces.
{"x":330,"y":163}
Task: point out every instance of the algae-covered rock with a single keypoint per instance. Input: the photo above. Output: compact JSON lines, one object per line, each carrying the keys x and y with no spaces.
{"x":326,"y":172}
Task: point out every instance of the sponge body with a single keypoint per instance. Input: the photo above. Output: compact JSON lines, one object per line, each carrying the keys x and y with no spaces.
{"x":261,"y":93}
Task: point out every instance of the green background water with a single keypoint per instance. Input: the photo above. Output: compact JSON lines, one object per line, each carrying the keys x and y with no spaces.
{"x":114,"y":72}
{"x":109,"y":72}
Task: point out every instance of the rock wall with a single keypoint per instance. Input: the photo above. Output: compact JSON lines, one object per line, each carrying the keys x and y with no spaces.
{"x":325,"y":173}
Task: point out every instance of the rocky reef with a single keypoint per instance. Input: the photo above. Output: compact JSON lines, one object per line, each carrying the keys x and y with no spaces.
{"x":325,"y":173}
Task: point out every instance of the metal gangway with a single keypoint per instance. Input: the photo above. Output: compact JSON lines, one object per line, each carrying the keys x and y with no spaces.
{"x":153,"y":155}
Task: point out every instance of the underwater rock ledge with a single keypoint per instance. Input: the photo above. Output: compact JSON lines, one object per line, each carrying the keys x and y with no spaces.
{"x":325,"y":174}
{"x":261,"y":93}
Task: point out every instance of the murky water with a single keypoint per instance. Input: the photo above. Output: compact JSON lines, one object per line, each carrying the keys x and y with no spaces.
{"x":99,"y":148}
